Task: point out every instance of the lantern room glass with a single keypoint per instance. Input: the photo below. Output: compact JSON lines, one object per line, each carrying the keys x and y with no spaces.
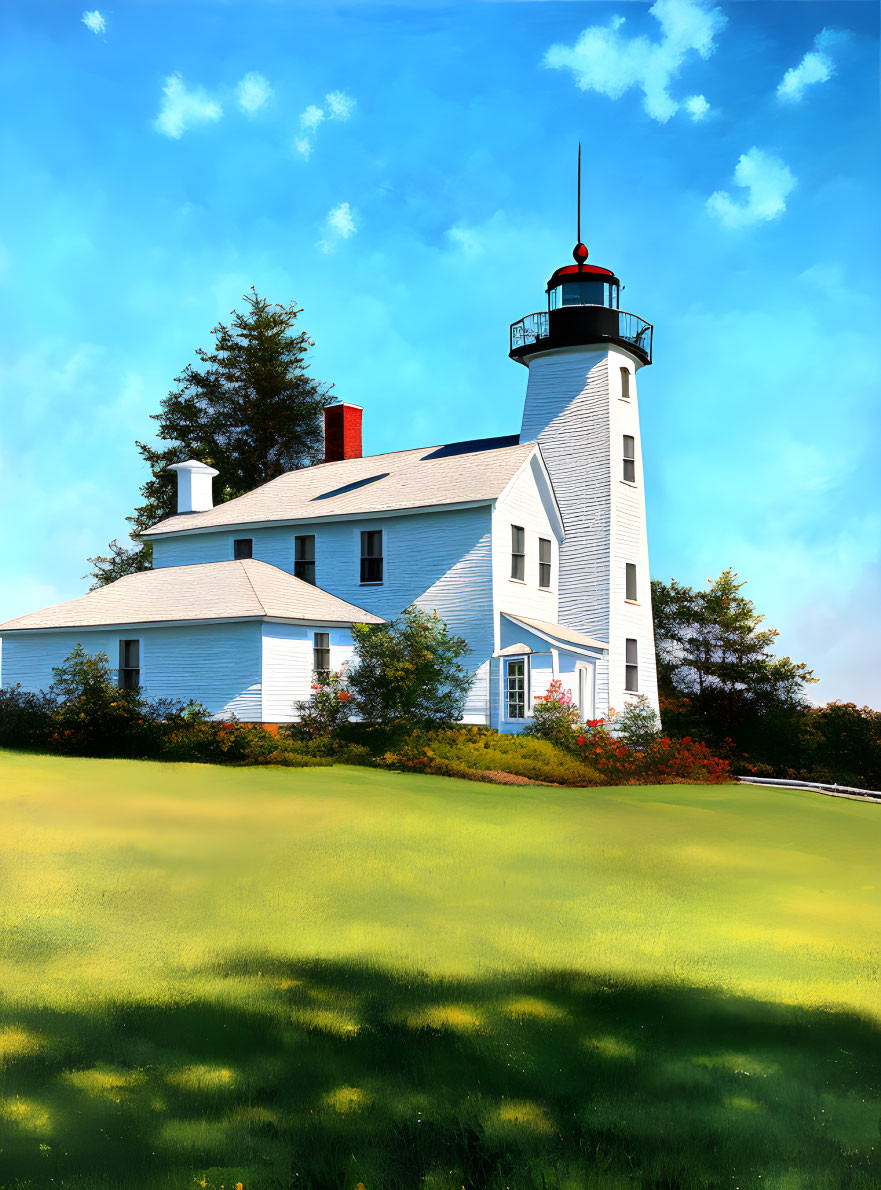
{"x":584,"y":292}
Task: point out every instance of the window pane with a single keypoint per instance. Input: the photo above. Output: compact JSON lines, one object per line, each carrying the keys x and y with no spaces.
{"x":518,"y":558}
{"x":304,"y":548}
{"x":371,"y":556}
{"x":625,"y":383}
{"x":630,"y":581}
{"x":305,"y":571}
{"x":628,"y":446}
{"x":516,"y":690}
{"x":629,"y":463}
{"x":544,"y":562}
{"x":321,"y":657}
{"x":517,"y":539}
{"x":630,"y":654}
{"x":544,"y":550}
{"x":242,"y":548}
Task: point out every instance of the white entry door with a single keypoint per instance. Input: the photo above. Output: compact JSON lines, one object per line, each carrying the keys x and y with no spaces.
{"x":584,"y":674}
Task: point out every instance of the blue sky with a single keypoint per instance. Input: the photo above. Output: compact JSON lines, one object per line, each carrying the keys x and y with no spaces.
{"x":406,"y":173}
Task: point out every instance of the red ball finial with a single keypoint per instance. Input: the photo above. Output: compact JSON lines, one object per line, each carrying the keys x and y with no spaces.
{"x":579,"y":252}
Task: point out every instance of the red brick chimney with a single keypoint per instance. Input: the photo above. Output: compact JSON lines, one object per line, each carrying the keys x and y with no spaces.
{"x":342,"y":432}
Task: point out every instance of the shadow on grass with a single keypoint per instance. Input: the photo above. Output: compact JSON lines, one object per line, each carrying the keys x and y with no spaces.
{"x":330,"y":1074}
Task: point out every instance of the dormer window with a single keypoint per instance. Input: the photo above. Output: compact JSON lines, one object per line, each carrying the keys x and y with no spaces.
{"x":243,"y":547}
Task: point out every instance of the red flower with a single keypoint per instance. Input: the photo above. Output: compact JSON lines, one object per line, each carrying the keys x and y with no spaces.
{"x":581,"y":741}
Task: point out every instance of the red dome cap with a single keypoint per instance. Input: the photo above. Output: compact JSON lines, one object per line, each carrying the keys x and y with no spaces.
{"x":579,"y":252}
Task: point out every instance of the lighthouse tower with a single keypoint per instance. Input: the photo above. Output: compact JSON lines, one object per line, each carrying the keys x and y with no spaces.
{"x":583,"y":353}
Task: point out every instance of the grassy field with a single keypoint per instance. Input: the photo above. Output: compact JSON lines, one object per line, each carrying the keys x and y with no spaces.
{"x":327,"y":977}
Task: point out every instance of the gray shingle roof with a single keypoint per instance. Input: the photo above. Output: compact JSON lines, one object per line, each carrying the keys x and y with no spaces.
{"x":208,"y":591}
{"x":460,"y":473}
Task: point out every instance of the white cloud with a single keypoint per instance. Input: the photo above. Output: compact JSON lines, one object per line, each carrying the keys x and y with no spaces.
{"x":94,"y":21}
{"x":182,"y":108}
{"x":311,"y":117}
{"x":697,"y":107}
{"x":469,"y":240}
{"x":817,"y":66}
{"x":603,"y":60}
{"x":339,"y":105}
{"x":340,"y":225}
{"x":767,"y":180}
{"x":253,"y":92}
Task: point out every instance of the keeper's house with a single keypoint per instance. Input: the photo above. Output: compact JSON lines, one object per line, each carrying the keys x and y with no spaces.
{"x":532,"y":547}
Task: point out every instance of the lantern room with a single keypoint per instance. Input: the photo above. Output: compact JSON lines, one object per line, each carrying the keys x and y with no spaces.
{"x":583,"y":310}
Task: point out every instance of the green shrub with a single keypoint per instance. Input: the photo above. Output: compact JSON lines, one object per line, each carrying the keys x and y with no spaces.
{"x":326,"y":711}
{"x":555,"y":718}
{"x":24,"y":717}
{"x":408,"y":671}
{"x":637,"y":725}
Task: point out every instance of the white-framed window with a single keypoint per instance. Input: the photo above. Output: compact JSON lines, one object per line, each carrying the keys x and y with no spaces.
{"x":629,"y":453}
{"x":518,"y":552}
{"x":630,"y":581}
{"x":321,"y":652}
{"x":625,"y":384}
{"x":544,"y":562}
{"x":129,"y":664}
{"x":304,"y":557}
{"x":631,"y":665}
{"x":371,"y":556}
{"x":242,"y":547}
{"x":516,"y":687}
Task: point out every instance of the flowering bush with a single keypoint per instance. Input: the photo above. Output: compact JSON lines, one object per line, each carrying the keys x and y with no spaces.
{"x":661,"y":762}
{"x":555,"y":717}
{"x":328,"y":708}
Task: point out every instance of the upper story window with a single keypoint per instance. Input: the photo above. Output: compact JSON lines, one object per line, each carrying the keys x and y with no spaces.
{"x":129,"y":664}
{"x":243,"y":547}
{"x":518,"y":552}
{"x":629,"y":452}
{"x":625,"y":384}
{"x":321,"y":652}
{"x":631,"y":665}
{"x":304,"y":558}
{"x":630,"y":581}
{"x":371,"y":556}
{"x":515,"y":688}
{"x":544,"y":562}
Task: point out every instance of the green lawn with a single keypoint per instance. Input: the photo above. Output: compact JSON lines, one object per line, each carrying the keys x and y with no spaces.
{"x":322,"y":977}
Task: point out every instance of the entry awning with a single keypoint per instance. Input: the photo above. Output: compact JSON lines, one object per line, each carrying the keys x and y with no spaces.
{"x":557,"y":634}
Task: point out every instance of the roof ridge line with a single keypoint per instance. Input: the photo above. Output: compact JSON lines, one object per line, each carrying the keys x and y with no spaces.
{"x":241,"y":562}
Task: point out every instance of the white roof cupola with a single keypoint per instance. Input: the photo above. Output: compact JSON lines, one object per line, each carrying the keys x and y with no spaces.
{"x":194,"y":487}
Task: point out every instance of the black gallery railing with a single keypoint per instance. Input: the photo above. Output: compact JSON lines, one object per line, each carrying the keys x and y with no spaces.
{"x":631,"y":328}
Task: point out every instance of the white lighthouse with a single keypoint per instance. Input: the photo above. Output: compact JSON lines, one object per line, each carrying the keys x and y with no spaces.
{"x":583,"y":353}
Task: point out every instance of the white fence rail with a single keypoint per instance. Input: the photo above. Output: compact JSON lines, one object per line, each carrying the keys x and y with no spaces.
{"x":869,"y":795}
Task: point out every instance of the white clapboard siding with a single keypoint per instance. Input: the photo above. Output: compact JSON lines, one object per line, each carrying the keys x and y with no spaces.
{"x":574,"y":410}
{"x":523,"y":505}
{"x":288,"y":660}
{"x":215,"y":664}
{"x":441,"y":561}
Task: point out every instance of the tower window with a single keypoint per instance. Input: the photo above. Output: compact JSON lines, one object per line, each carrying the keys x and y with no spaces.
{"x":515,"y":688}
{"x":518,"y":552}
{"x":631,"y":666}
{"x":625,"y":384}
{"x":321,"y":652}
{"x":630,"y":581}
{"x":629,"y":458}
{"x":544,"y":562}
{"x":304,"y":558}
{"x":371,"y":556}
{"x":129,"y":664}
{"x":243,"y":547}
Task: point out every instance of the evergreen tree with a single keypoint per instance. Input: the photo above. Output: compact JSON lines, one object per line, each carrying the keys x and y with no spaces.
{"x":716,"y":672}
{"x":249,"y":409}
